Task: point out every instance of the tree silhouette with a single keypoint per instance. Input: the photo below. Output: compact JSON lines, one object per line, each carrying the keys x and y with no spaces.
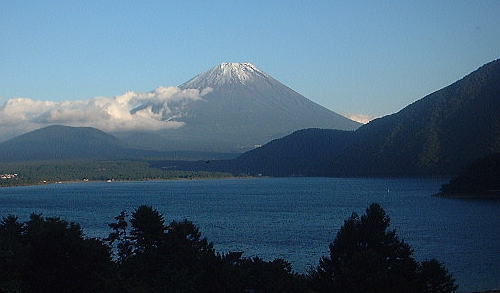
{"x":148,"y":228}
{"x":176,"y":258}
{"x":435,"y":278}
{"x":119,"y":238}
{"x":51,"y":255}
{"x":12,"y":254}
{"x":367,"y":257}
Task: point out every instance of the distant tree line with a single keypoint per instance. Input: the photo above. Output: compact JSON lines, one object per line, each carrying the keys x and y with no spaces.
{"x":52,"y":171}
{"x":144,"y":254}
{"x":480,"y":178}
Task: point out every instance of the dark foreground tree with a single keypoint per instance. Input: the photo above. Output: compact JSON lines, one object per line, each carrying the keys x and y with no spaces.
{"x":258,"y":275}
{"x":51,"y":255}
{"x":155,"y":257}
{"x":435,"y":278}
{"x":367,"y":257}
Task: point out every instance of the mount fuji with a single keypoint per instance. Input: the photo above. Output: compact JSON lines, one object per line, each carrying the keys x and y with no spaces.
{"x":244,"y":108}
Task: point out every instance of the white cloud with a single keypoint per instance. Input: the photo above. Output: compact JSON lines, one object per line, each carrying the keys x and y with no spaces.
{"x":361,"y":118}
{"x":153,"y":110}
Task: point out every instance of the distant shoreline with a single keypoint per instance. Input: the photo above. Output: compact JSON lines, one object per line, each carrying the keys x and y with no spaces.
{"x":126,"y":180}
{"x":215,"y":177}
{"x":470,"y":195}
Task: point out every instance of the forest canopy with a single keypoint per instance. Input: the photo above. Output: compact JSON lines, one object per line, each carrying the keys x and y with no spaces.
{"x":144,"y":253}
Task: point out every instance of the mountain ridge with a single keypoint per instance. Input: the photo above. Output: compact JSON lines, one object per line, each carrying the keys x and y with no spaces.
{"x":454,"y":124}
{"x":242,"y":99}
{"x":436,"y":135}
{"x":58,"y":142}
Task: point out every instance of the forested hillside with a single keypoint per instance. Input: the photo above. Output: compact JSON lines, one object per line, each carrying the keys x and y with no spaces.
{"x":437,"y":135}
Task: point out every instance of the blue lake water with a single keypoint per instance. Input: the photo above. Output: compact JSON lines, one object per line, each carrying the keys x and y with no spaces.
{"x":290,"y":218}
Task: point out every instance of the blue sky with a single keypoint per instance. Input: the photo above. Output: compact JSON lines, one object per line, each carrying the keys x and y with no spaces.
{"x":368,"y":57}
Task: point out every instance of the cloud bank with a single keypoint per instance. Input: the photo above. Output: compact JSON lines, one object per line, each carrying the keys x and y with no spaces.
{"x":155,"y":110}
{"x":361,"y":118}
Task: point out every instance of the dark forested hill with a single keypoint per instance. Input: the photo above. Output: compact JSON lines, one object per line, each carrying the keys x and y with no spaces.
{"x":66,"y":143}
{"x":438,"y":134}
{"x":305,"y":152}
{"x":61,"y":142}
{"x":480,"y":179}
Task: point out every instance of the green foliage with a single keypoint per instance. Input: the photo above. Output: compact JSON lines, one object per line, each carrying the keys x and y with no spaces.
{"x":436,"y":278}
{"x":306,"y":152}
{"x":273,"y":276}
{"x":52,"y":255}
{"x":367,"y":257}
{"x":438,"y":134}
{"x":148,"y":228}
{"x":119,"y":238}
{"x":175,"y":258}
{"x":52,"y":172}
{"x":480,"y":178}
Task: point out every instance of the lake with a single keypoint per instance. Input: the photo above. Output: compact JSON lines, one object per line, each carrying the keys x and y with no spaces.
{"x":290,"y":218}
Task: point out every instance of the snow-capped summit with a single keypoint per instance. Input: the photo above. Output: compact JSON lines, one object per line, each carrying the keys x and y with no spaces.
{"x":243,"y":107}
{"x":227,"y":73}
